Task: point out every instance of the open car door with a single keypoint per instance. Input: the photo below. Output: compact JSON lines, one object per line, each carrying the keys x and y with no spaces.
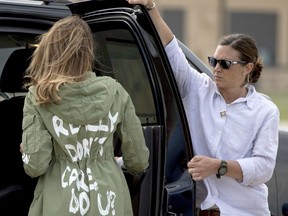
{"x":131,"y":52}
{"x":129,"y":45}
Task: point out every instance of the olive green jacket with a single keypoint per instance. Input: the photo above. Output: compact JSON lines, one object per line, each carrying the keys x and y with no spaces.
{"x":69,"y":145}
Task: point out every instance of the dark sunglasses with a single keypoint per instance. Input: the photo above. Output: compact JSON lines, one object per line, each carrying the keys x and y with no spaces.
{"x":225,"y":64}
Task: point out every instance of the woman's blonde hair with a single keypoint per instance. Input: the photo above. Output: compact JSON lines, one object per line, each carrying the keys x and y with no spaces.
{"x":64,"y":55}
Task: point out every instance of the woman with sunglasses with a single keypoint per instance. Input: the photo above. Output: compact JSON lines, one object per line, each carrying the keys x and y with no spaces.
{"x":234,"y":129}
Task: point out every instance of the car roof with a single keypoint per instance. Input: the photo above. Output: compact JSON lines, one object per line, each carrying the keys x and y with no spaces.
{"x":54,"y":10}
{"x":36,"y":2}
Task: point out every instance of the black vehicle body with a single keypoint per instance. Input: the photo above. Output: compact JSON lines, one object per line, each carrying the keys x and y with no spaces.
{"x":132,"y":53}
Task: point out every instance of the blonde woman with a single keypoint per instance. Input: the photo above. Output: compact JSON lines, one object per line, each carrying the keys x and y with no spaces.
{"x":70,"y":118}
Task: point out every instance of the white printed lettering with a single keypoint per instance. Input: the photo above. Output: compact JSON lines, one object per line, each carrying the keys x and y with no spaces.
{"x":81,"y":182}
{"x":74,"y":130}
{"x":110,"y":203}
{"x":113,"y":119}
{"x":74,"y":203}
{"x":58,"y":126}
{"x":64,"y":183}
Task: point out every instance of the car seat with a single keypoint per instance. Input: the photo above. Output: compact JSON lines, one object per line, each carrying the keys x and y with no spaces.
{"x":16,"y":188}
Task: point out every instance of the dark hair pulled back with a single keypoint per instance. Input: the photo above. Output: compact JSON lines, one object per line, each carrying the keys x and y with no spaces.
{"x":247,"y":48}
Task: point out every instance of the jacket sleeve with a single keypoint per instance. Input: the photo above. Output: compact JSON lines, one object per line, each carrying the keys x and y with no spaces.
{"x":37,"y":142}
{"x":134,"y":149}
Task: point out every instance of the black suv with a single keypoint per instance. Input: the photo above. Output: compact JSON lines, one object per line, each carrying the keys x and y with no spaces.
{"x":131,"y":52}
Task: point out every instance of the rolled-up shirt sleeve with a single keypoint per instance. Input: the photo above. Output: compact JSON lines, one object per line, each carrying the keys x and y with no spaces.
{"x":259,"y":168}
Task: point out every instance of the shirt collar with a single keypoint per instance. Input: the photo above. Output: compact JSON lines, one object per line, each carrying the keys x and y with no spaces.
{"x":248,"y":99}
{"x":250,"y":96}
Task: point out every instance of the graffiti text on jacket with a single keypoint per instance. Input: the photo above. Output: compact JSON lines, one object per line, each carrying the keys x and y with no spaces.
{"x":81,"y":182}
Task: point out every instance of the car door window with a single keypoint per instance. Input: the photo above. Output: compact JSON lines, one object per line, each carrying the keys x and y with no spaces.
{"x":123,"y":61}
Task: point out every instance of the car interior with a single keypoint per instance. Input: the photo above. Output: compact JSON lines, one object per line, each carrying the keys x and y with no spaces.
{"x":16,"y":187}
{"x":120,"y":51}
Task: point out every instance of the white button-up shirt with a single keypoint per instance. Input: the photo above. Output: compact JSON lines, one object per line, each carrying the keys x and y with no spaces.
{"x":245,"y":130}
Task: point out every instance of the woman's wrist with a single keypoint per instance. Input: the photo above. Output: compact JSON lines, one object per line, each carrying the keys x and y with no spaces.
{"x":150,"y":7}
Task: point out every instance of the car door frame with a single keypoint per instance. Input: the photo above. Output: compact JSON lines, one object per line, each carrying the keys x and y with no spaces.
{"x":164,"y":87}
{"x":162,"y":80}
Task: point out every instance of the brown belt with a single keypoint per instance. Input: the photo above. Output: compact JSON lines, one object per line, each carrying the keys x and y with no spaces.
{"x":210,"y":212}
